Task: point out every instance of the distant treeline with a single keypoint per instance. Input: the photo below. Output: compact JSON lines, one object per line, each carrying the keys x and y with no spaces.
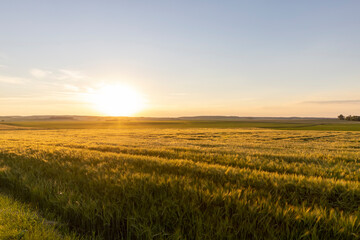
{"x":349,"y":118}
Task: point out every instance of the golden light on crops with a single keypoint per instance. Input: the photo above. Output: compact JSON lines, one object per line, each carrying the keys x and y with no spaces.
{"x":117,"y":100}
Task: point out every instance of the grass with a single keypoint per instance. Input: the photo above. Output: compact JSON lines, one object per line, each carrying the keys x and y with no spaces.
{"x":18,"y":221}
{"x":328,"y":125}
{"x":188,"y":183}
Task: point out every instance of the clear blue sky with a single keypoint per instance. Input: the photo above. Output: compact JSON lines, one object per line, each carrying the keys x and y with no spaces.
{"x":258,"y":58}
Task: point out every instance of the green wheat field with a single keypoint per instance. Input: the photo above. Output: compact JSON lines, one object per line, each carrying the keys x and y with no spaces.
{"x":179,"y":180}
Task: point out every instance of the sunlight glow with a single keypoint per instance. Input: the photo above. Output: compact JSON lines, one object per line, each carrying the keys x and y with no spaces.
{"x":117,"y":100}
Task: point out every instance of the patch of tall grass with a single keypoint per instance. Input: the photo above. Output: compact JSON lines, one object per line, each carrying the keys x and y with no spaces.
{"x":189,"y":183}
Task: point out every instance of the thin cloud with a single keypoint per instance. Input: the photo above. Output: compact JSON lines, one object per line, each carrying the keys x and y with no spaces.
{"x":39,"y":73}
{"x":70,"y":74}
{"x":12,"y":80}
{"x":179,"y":94}
{"x":37,"y":99}
{"x":71,"y":87}
{"x":349,"y":101}
{"x":60,"y":74}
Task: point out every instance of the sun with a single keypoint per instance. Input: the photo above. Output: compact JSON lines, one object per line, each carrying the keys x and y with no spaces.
{"x":117,"y":100}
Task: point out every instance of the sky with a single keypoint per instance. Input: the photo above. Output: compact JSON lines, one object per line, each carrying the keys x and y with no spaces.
{"x":183,"y":58}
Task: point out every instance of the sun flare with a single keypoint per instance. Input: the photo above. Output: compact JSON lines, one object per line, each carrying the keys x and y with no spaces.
{"x":117,"y":100}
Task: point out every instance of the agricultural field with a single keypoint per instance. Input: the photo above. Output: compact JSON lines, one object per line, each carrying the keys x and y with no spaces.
{"x":281,"y":124}
{"x":183,"y":182}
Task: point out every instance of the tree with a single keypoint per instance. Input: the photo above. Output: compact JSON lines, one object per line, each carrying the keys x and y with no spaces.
{"x":355,"y":118}
{"x":341,"y":117}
